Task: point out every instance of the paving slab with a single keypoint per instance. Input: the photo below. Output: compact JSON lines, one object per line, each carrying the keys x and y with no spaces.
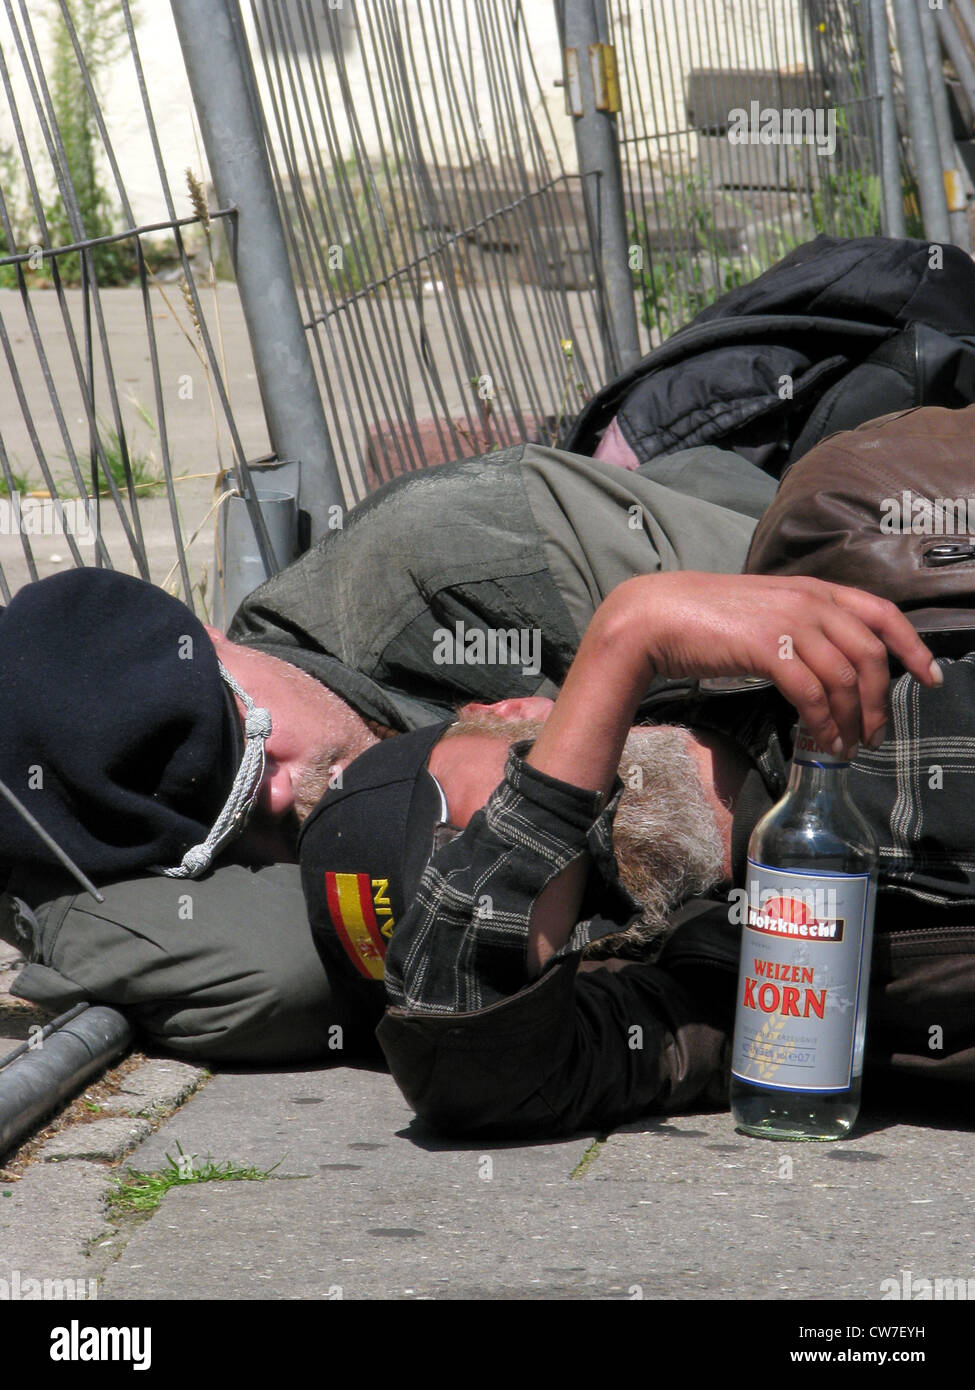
{"x":338,"y":1237}
{"x":749,"y":1218}
{"x":680,"y":1208}
{"x":47,"y":1219}
{"x":360,"y":1193}
{"x":367,"y":1204}
{"x":334,"y":1120}
{"x":107,"y":1140}
{"x":364,"y":1203}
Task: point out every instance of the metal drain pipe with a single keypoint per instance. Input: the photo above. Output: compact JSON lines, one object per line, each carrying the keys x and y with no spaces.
{"x":39,"y":1076}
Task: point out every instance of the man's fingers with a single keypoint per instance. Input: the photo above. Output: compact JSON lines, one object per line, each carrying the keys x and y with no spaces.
{"x":867,"y":654}
{"x":844,"y":681}
{"x":802,"y":687}
{"x":898,"y":635}
{"x":826,"y":646}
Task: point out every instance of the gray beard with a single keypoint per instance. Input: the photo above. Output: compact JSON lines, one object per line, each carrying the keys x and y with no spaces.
{"x":665,"y":836}
{"x":666,"y":839}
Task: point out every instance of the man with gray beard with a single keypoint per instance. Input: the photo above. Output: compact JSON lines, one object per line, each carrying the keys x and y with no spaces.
{"x":474,"y":870}
{"x":671,"y":833}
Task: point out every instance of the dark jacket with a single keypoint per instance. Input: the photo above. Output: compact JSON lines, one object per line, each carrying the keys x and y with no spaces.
{"x":838,"y":332}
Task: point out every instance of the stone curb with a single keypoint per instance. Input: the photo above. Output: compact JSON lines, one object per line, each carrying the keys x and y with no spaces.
{"x":159,"y":1085}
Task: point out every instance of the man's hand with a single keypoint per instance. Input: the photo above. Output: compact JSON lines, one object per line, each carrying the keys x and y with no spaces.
{"x":824,"y":645}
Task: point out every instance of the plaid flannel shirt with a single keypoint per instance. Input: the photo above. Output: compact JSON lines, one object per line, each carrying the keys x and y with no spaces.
{"x":917,"y":790}
{"x":461,"y":946}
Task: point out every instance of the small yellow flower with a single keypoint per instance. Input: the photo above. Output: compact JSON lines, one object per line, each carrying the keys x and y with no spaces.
{"x":566,"y":345}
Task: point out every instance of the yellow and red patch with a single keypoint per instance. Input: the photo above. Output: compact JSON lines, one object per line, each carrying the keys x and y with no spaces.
{"x":356,"y":903}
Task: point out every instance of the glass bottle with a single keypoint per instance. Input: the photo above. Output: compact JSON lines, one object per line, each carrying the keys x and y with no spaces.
{"x":804,"y":974}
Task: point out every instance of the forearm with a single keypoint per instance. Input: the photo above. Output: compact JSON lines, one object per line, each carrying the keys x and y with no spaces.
{"x":582,"y":742}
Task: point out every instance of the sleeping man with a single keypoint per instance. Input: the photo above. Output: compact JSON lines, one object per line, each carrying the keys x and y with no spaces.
{"x":592,"y":832}
{"x":529,"y":884}
{"x":126,"y":742}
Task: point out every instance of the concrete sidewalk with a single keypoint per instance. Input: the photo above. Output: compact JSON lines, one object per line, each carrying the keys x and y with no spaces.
{"x":362,"y":1203}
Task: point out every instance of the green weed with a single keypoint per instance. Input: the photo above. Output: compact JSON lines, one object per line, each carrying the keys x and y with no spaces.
{"x":144,"y":1191}
{"x":21,"y":483}
{"x":676,"y":285}
{"x":147,"y":480}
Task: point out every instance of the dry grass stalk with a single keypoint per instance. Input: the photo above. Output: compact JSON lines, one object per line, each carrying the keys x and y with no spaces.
{"x":188,"y":300}
{"x":198,"y":200}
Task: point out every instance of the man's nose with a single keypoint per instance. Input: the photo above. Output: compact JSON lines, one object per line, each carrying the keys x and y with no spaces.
{"x":519,"y":707}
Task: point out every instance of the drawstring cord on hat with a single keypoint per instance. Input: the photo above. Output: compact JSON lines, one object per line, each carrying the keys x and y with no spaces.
{"x":240,"y":803}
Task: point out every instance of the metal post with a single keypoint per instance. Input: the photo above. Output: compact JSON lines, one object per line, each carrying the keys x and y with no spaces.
{"x":222,"y":84}
{"x":882,"y":81}
{"x":924,"y":138}
{"x":955,"y":48}
{"x":966,"y":16}
{"x":592,"y":92}
{"x":950,"y":163}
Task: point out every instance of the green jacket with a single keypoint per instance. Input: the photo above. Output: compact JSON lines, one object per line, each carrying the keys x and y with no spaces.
{"x":528,"y":539}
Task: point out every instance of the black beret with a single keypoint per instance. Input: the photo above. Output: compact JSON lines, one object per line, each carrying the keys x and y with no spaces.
{"x":118,"y":733}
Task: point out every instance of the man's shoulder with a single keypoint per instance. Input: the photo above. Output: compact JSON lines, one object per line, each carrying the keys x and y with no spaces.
{"x":486,"y":471}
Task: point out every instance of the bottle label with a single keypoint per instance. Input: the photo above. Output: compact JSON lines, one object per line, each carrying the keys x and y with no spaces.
{"x":799,"y":980}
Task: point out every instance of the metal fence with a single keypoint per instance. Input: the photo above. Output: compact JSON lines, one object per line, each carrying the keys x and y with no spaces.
{"x":437,"y":238}
{"x":84,"y":464}
{"x":717,"y":189}
{"x":450,"y":220}
{"x":466,"y":270}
